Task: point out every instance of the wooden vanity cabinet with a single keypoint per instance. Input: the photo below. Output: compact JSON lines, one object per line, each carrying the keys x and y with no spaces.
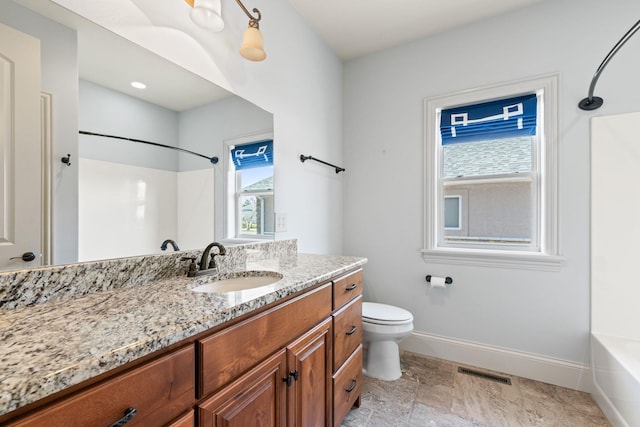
{"x":298,"y":363}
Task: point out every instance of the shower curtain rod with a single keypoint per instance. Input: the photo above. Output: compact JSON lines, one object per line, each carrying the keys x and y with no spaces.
{"x":594,"y":102}
{"x":213,"y":160}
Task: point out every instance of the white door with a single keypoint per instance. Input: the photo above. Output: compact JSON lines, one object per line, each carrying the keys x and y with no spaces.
{"x":20,"y":150}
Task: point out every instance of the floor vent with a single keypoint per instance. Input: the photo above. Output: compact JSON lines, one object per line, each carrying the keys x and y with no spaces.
{"x":486,"y":376}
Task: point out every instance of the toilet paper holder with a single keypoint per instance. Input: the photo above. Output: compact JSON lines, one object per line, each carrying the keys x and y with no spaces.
{"x":448,"y":280}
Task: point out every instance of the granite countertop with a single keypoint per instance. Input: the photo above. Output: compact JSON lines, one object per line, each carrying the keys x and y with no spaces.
{"x":51,"y":346}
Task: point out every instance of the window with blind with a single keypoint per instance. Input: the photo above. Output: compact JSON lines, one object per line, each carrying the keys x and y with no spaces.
{"x":490,"y":172}
{"x":251,"y":166}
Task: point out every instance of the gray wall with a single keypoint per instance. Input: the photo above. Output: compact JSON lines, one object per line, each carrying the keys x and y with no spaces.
{"x":543,"y":313}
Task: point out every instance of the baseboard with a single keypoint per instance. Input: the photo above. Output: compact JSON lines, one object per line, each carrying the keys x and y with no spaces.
{"x":572,"y":375}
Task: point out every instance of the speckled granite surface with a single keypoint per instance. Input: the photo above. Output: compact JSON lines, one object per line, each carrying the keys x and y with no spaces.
{"x":49,"y":346}
{"x":25,"y":288}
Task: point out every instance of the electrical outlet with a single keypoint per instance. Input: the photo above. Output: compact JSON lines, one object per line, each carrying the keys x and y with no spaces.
{"x":281,"y":222}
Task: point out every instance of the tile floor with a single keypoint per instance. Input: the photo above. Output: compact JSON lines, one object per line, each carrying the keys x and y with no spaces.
{"x":433,"y":393}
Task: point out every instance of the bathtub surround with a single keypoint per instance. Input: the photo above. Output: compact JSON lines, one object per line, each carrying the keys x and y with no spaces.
{"x":615,"y":317}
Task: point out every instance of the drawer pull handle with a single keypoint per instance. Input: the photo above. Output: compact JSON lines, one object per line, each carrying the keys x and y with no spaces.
{"x":351,"y":287}
{"x":352,"y":331}
{"x":354,"y":382}
{"x":129,"y":413}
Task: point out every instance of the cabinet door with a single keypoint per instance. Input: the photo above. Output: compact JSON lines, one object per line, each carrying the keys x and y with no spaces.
{"x":310,"y":383}
{"x":257,"y":398}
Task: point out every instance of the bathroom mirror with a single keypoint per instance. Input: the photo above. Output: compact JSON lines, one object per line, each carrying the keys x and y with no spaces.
{"x":130,"y":196}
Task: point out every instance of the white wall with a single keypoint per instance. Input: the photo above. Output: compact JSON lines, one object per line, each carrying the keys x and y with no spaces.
{"x":531,"y":312}
{"x":300,"y":83}
{"x":615,"y":232}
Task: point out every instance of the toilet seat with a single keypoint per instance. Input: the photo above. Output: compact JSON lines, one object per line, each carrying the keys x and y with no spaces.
{"x":383,"y":314}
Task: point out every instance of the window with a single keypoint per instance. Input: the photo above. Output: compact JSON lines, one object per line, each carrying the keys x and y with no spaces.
{"x":491,"y":176}
{"x":452,"y":213}
{"x":250,"y":212}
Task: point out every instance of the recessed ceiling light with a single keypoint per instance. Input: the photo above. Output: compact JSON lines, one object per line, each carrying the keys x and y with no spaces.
{"x":138,"y":85}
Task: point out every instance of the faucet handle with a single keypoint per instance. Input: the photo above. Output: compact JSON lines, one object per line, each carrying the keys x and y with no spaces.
{"x":192,"y":265}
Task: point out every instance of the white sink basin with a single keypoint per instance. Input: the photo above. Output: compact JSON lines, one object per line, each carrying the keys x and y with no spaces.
{"x":239,"y":281}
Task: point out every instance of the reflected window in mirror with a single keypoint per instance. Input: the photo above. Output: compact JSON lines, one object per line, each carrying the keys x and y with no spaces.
{"x":252,"y":190}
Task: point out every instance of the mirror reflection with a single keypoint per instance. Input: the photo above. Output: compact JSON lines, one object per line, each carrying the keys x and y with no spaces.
{"x":116,"y":198}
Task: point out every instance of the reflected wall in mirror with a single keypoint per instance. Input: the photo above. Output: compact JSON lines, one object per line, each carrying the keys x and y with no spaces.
{"x":120,"y":198}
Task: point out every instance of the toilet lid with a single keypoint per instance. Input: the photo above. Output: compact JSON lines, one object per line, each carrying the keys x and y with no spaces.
{"x":385,"y":314}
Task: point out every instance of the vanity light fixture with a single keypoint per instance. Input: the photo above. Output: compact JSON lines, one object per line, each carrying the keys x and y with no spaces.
{"x":208,"y":14}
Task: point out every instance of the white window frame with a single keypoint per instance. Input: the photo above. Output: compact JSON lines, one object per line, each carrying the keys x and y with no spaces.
{"x":544,"y":255}
{"x":232,"y":195}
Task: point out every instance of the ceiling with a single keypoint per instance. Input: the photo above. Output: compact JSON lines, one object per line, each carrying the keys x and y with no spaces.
{"x":114,"y":62}
{"x":351,"y":28}
{"x":354,"y":28}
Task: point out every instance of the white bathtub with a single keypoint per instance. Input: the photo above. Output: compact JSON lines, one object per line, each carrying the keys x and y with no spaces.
{"x":616,"y":378}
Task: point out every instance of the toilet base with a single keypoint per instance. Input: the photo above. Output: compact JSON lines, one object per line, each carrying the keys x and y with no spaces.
{"x":381,"y":360}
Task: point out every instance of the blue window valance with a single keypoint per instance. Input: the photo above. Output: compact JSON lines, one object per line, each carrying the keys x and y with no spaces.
{"x":254,"y":155}
{"x":505,"y":118}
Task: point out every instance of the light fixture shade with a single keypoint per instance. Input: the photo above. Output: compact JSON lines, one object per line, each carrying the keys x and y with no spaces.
{"x":208,"y":14}
{"x":253,"y":45}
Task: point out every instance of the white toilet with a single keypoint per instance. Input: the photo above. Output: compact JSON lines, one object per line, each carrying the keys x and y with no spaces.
{"x":383,"y":327}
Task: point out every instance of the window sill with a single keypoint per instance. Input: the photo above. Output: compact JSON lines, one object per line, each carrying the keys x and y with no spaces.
{"x":502,"y":259}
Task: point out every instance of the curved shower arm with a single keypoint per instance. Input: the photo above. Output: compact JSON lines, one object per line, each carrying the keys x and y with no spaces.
{"x":594,"y":102}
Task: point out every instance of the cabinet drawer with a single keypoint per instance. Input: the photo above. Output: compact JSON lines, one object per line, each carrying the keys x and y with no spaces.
{"x":346,"y":288}
{"x":226,"y":355}
{"x":347,"y":386}
{"x":159,"y":391}
{"x":347,"y":331}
